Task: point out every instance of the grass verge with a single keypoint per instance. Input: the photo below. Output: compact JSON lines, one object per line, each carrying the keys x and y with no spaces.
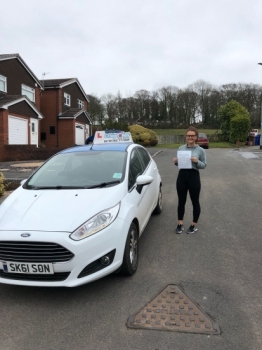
{"x":183,"y":131}
{"x":211,"y":145}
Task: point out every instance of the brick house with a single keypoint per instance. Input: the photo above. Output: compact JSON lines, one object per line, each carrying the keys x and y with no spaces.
{"x":64,"y":105}
{"x":20,"y":93}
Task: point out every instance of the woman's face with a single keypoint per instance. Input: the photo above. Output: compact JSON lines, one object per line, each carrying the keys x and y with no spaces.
{"x":191,"y":138}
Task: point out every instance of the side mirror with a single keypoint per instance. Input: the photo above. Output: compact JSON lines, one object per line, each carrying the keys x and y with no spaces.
{"x":141,"y":181}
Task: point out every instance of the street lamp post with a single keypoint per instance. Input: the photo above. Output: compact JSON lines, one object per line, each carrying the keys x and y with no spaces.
{"x":260,"y":120}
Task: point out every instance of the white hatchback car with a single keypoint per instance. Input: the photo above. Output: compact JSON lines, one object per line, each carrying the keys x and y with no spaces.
{"x":80,"y":215}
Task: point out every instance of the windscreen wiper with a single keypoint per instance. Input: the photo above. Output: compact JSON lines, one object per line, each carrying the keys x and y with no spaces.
{"x":104,"y":184}
{"x":58,"y":187}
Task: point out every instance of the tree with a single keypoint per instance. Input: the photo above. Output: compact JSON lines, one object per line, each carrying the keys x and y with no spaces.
{"x":170,"y":107}
{"x":154,"y":109}
{"x":186,"y":107}
{"x":115,"y":125}
{"x":167,"y":97}
{"x":204,"y":90}
{"x":143,"y":103}
{"x":95,"y":109}
{"x":110,"y":103}
{"x":234,"y":121}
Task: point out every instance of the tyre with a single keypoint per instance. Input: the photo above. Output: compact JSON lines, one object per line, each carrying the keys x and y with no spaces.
{"x":130,"y":259}
{"x":159,"y":207}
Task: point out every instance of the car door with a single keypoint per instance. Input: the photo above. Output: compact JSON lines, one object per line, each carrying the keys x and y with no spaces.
{"x":150,"y":170}
{"x":141,"y":202}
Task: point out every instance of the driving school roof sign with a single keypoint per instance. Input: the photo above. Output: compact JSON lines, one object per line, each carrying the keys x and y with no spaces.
{"x":112,"y":137}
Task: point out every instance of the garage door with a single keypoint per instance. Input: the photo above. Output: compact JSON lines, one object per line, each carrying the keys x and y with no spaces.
{"x":80,"y":134}
{"x":17,"y":131}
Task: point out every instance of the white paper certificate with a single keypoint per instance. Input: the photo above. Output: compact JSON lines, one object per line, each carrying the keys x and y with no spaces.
{"x":184,"y":161}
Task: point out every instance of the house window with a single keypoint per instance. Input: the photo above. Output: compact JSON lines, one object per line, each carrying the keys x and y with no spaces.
{"x":28,"y":92}
{"x":52,"y":130}
{"x":67,"y":99}
{"x":3,"y":83}
{"x":80,"y":104}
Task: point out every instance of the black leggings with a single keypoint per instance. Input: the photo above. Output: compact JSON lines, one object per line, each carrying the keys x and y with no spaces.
{"x":188,"y":180}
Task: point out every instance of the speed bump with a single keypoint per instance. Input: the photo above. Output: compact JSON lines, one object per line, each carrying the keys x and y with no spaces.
{"x":173,"y":310}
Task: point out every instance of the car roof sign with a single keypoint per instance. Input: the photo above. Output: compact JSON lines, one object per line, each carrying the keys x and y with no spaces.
{"x":112,"y":136}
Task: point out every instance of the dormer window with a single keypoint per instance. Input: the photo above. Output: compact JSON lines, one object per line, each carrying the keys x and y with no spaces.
{"x":80,"y":104}
{"x":67,"y":99}
{"x":28,"y":92}
{"x":3,"y":84}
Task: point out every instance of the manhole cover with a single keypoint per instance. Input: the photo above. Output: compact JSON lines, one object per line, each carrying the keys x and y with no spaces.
{"x":173,"y":310}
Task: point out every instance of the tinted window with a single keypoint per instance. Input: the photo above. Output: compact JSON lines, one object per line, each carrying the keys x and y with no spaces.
{"x":145,"y":156}
{"x":135,"y":168}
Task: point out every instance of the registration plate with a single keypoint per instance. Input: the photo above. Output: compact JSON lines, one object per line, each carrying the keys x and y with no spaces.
{"x":32,"y":268}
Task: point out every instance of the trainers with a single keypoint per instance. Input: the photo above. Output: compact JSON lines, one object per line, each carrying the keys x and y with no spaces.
{"x":192,"y":229}
{"x":179,"y":229}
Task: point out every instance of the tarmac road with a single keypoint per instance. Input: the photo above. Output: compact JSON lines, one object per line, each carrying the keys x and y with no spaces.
{"x":219,"y":267}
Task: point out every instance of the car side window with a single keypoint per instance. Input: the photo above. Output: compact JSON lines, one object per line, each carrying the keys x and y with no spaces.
{"x":145,"y":156}
{"x":135,"y":168}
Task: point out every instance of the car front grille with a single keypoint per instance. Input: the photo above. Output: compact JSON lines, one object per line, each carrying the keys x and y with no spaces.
{"x":56,"y":277}
{"x":33,"y":252}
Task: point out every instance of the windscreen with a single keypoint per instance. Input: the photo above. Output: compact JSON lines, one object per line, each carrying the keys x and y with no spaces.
{"x":80,"y":170}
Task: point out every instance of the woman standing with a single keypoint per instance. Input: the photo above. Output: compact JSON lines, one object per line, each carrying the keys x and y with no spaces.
{"x":188,"y":179}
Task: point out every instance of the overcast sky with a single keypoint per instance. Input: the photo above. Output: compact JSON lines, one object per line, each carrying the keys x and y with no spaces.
{"x":129,"y":45}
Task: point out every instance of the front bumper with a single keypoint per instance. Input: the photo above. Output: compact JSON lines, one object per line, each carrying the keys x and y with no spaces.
{"x":86,"y":252}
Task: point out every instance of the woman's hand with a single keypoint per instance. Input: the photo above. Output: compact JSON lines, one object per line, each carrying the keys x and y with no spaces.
{"x":194,"y":159}
{"x":175,"y":160}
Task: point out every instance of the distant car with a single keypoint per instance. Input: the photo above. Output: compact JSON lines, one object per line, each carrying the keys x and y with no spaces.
{"x":203,"y":140}
{"x":79,"y":217}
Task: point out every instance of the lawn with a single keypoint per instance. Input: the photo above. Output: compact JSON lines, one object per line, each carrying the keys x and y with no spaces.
{"x":211,"y":145}
{"x":183,"y":132}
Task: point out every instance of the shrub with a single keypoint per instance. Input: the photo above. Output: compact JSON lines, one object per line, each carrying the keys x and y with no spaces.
{"x":143,"y":136}
{"x":2,"y":187}
{"x":146,"y":143}
{"x":239,"y":127}
{"x":153,"y":142}
{"x":229,"y":111}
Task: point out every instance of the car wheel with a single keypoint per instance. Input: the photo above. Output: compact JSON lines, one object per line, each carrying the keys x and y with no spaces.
{"x":130,"y":259}
{"x":159,"y":207}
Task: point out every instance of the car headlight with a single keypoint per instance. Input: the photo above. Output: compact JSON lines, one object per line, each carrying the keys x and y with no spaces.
{"x":96,"y":223}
